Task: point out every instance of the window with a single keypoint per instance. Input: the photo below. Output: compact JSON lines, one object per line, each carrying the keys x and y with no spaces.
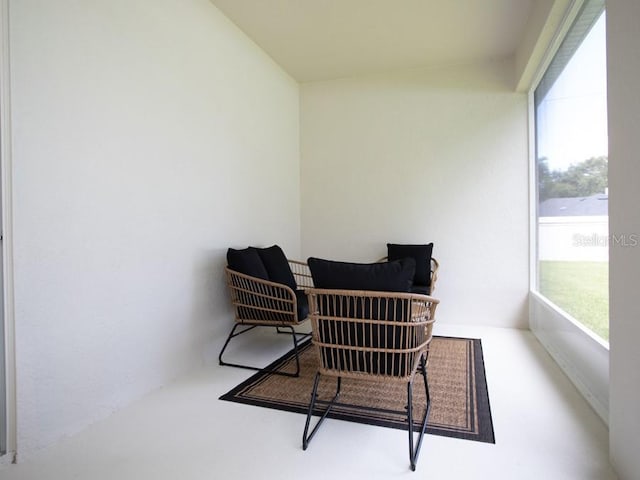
{"x":572,"y":245}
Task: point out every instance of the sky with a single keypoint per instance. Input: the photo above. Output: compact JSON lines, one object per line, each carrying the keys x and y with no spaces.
{"x":572,"y":118}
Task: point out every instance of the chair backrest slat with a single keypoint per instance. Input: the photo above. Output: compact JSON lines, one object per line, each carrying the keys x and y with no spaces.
{"x":365,"y":333}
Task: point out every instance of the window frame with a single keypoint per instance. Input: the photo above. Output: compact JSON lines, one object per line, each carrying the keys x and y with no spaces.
{"x":580,"y":353}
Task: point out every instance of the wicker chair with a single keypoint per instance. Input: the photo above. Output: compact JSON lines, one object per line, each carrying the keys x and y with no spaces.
{"x":262,"y":303}
{"x":377,"y":336}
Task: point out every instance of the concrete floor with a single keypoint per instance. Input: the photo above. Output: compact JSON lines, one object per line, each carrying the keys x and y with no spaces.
{"x":544,"y":430}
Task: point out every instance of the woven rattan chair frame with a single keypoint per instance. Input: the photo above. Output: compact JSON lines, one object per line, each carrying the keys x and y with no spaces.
{"x":387,"y":341}
{"x":301,"y":273}
{"x":434,"y":267}
{"x":262,"y":303}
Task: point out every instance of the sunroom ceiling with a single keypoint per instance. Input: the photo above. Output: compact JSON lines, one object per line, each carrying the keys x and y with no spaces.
{"x":324,"y":39}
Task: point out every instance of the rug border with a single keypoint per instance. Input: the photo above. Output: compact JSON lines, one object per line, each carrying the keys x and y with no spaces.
{"x":485,"y":432}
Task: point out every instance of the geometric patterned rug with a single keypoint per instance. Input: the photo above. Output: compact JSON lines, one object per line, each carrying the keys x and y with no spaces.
{"x":457,"y":384}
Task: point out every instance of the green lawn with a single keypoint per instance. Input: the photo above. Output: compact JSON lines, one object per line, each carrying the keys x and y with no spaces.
{"x":581,"y":289}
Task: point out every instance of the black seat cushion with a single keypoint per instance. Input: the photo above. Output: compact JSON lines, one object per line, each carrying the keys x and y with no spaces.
{"x":421,"y":289}
{"x":420,"y":253}
{"x":277,"y":266}
{"x":303,"y":305}
{"x":395,"y":276}
{"x":247,"y":261}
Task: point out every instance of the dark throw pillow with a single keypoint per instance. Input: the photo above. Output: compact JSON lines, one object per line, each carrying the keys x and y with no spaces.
{"x":396,"y":276}
{"x":277,"y":266}
{"x":247,"y":261}
{"x":420,"y":253}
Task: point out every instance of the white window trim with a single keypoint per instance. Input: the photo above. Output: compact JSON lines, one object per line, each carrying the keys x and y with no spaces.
{"x":6,"y":174}
{"x":582,"y":356}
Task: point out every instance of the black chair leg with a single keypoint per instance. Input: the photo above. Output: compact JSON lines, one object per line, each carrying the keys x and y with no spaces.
{"x":314,"y":397}
{"x":301,"y":335}
{"x":233,"y":334}
{"x":296,"y":341}
{"x":413,"y":453}
{"x":295,"y":350}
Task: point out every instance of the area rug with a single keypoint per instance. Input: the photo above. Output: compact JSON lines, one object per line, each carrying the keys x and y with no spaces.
{"x":457,"y":384}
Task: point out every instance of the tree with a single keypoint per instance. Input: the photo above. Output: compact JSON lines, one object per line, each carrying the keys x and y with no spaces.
{"x":545,"y":180}
{"x":580,"y":180}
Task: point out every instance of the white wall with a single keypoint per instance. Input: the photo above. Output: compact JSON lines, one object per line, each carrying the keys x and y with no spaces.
{"x":623,"y":44}
{"x":419,"y":156}
{"x":148,"y":136}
